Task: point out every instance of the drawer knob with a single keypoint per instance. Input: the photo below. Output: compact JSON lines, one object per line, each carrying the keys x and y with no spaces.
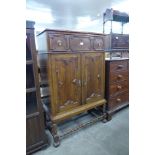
{"x":120,"y":76}
{"x":81,"y":43}
{"x":116,"y":38}
{"x":98,"y":76}
{"x":118,"y":100}
{"x":120,"y":66}
{"x":59,"y":42}
{"x":119,"y":87}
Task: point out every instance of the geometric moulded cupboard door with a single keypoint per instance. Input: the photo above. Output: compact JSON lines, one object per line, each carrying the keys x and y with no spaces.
{"x":92,"y":77}
{"x":66,"y":81}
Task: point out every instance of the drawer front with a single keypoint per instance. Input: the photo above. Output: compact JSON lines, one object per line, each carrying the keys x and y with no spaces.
{"x":98,"y":43}
{"x":119,"y":87}
{"x":80,"y":43}
{"x":58,"y":42}
{"x":118,"y":66}
{"x":117,"y":77}
{"x":118,"y":100}
{"x":120,"y":41}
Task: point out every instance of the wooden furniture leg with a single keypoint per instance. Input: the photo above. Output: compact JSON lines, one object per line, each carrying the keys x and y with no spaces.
{"x":56,"y":139}
{"x":109,"y":116}
{"x":104,"y":113}
{"x":52,"y":127}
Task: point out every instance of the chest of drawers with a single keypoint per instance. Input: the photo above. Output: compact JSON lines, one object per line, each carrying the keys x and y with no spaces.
{"x":117,"y":84}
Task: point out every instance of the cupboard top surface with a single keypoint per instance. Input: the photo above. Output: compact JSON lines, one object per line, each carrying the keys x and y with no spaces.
{"x":69,"y":32}
{"x":116,"y":59}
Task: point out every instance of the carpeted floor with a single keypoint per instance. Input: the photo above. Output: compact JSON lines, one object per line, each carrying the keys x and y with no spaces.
{"x":111,"y":138}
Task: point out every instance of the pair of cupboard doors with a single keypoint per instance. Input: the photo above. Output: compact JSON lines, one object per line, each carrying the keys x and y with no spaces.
{"x":75,"y":79}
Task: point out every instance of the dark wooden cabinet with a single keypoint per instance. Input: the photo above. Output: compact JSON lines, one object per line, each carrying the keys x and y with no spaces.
{"x":117,"y":84}
{"x":73,"y":65}
{"x":35,"y":131}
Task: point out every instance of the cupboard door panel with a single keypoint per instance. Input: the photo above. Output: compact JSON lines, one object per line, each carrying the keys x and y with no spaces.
{"x":92,"y":77}
{"x":66,"y":81}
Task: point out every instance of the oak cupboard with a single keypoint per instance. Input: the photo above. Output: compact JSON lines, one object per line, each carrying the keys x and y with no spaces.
{"x":72,"y":64}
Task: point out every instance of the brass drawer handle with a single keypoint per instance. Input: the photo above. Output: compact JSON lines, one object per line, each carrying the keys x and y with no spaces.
{"x":119,"y":87}
{"x":118,"y":100}
{"x":120,"y":66}
{"x":59,"y":42}
{"x":120,"y":76}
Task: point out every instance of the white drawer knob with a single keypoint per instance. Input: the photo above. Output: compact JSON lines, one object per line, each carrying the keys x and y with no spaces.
{"x":81,"y":43}
{"x":59,"y":42}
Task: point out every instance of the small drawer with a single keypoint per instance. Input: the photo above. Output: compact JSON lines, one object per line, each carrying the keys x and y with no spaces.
{"x":121,"y":76}
{"x":80,"y":43}
{"x":118,"y":100}
{"x":120,"y":41}
{"x":119,"y":87}
{"x":58,"y":42}
{"x":118,"y":65}
{"x":98,"y":43}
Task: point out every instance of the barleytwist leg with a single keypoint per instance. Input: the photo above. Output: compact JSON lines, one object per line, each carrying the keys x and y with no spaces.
{"x":56,"y":139}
